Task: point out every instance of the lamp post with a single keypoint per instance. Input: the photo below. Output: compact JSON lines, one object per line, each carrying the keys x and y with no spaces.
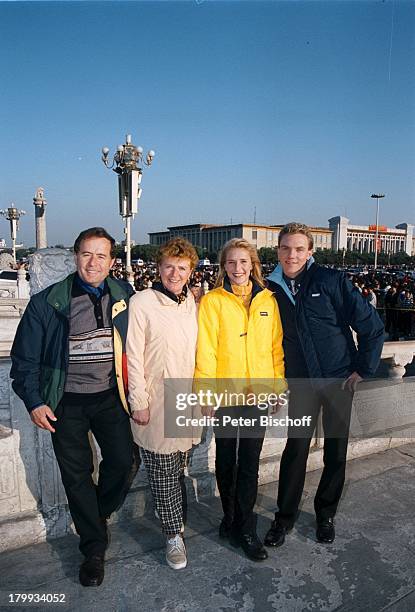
{"x":128,"y":161}
{"x":378,"y":196}
{"x":13,"y":215}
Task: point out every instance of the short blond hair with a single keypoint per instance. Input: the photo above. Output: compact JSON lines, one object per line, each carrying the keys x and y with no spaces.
{"x":240,"y":243}
{"x":178,"y":247}
{"x":297,"y":228}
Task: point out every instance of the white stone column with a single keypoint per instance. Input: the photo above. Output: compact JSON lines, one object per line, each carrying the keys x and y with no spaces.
{"x":23,"y":289}
{"x":40,"y":219}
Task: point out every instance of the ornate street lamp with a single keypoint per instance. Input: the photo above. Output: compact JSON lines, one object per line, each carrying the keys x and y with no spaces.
{"x":378,"y":196}
{"x":128,"y":161}
{"x":13,"y":215}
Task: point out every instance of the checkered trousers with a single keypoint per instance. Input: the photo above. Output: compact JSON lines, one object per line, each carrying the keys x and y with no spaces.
{"x":164,"y":474}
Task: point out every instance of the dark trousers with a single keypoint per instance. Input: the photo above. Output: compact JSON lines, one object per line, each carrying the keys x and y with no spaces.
{"x":391,"y":320}
{"x":406,"y":322}
{"x":336,"y":405}
{"x":103,"y":414}
{"x":237,"y":465}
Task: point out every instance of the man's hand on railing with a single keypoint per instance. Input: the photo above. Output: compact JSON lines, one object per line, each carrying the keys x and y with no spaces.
{"x":352,"y":382}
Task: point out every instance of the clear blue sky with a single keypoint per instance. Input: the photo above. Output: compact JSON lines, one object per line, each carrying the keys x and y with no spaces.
{"x":301,"y":109}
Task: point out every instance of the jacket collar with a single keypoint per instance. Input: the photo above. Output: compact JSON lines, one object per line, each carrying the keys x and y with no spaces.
{"x":255,"y":287}
{"x":59,"y":297}
{"x":158,"y":286}
{"x":84,"y":287}
{"x":276,"y":277}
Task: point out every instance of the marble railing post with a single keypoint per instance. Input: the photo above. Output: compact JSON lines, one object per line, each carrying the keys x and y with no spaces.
{"x":23,"y":289}
{"x":398,"y":355}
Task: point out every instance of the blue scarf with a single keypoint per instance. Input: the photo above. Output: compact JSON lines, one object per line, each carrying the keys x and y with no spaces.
{"x":97,"y":291}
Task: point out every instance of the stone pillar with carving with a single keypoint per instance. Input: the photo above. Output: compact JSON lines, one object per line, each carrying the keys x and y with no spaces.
{"x":32,"y":499}
{"x":40,"y":219}
{"x":20,"y":523}
{"x":48,"y":266}
{"x":23,"y":290}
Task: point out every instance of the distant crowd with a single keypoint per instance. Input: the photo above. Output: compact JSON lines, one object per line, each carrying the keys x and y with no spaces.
{"x":145,"y":275}
{"x":390,"y":290}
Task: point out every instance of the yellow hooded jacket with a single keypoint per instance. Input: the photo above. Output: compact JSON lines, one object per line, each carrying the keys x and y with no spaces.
{"x":233,"y":345}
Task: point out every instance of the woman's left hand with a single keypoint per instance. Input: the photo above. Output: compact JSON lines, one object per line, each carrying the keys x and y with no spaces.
{"x":141,"y":417}
{"x":208,"y":411}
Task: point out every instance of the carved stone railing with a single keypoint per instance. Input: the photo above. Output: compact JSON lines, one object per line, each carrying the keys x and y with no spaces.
{"x":11,"y":310}
{"x":398,"y":355}
{"x":12,"y":307}
{"x":32,"y":500}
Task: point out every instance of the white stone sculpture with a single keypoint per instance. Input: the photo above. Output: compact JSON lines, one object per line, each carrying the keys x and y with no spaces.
{"x":6,"y":261}
{"x":48,"y":266}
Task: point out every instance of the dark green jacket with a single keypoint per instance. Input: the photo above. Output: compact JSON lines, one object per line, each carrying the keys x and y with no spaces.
{"x":40,"y":351}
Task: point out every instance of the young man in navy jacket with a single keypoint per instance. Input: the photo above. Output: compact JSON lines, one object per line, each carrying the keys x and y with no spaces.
{"x":319,"y":308}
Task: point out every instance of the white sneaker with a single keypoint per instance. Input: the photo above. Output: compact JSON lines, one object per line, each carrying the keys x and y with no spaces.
{"x":176,"y":552}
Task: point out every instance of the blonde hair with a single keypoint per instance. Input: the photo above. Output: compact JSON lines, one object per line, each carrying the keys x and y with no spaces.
{"x":297,"y":228}
{"x":178,"y":247}
{"x":240,"y":243}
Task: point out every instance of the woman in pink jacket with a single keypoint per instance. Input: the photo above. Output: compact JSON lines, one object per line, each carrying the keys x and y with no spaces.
{"x":161,"y":344}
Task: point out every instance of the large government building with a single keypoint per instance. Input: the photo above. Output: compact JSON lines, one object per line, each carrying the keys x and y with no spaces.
{"x":361,"y":238}
{"x":338,"y":235}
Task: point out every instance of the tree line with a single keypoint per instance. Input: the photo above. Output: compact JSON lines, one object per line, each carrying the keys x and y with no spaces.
{"x":267,"y":255}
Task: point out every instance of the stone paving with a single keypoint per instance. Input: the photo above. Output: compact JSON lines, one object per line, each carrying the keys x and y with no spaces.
{"x":370,"y":566}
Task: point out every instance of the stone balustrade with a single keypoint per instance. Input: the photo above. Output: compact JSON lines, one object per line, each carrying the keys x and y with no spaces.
{"x":398,"y":355}
{"x":32,"y":500}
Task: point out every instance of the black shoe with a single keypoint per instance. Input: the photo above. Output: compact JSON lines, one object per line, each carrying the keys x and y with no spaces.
{"x":325,"y":531}
{"x":225,"y":528}
{"x":251,"y":545}
{"x":91,"y":572}
{"x":276,"y":534}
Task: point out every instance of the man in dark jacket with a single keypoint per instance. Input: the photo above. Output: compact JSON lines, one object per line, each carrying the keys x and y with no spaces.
{"x":319,"y":307}
{"x":67,"y":367}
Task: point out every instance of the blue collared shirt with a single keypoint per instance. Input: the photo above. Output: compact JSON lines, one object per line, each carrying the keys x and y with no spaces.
{"x":97,"y":291}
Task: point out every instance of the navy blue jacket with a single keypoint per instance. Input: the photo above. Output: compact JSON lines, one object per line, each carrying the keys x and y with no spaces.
{"x":326,"y":307}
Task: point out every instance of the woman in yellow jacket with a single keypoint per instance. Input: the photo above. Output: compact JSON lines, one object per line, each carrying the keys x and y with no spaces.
{"x":240,"y":340}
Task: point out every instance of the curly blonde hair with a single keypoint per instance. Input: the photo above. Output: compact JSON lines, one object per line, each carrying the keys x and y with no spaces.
{"x":240,"y":243}
{"x":178,"y":247}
